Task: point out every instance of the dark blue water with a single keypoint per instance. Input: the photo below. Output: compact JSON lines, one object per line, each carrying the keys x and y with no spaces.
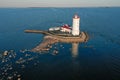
{"x":97,"y":59}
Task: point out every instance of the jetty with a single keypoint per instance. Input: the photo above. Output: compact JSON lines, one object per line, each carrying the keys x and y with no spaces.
{"x":45,"y":45}
{"x":83,"y":37}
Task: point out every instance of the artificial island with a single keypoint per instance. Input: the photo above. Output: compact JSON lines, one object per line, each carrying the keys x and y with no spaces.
{"x":64,"y":33}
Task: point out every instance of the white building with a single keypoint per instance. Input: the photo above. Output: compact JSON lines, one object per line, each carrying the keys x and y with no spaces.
{"x":54,"y":29}
{"x":66,"y":28}
{"x":75,"y":28}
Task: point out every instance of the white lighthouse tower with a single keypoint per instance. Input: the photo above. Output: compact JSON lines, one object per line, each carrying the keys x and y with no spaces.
{"x":75,"y":28}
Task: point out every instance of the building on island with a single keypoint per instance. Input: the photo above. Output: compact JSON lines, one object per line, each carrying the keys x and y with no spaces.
{"x":75,"y":27}
{"x":66,"y":28}
{"x":75,"y":30}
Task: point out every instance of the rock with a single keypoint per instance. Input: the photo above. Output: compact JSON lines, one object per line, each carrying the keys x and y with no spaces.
{"x":5,"y":53}
{"x":10,"y":77}
{"x":55,"y":52}
{"x":19,"y":79}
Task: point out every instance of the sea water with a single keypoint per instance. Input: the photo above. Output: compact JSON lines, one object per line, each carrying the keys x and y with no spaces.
{"x":96,"y":59}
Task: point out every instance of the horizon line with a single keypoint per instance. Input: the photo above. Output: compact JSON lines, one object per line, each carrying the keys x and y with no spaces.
{"x":66,"y":7}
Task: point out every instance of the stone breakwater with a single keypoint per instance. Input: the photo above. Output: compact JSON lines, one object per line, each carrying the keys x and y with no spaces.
{"x":45,"y":45}
{"x":72,"y":39}
{"x":51,"y":39}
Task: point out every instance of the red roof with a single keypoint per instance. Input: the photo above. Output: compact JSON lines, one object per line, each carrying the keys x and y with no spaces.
{"x":66,"y":26}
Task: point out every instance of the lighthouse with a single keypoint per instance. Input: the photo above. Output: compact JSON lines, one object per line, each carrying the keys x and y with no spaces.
{"x":75,"y":28}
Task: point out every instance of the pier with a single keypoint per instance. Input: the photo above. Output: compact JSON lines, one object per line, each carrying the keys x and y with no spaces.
{"x":62,"y":38}
{"x":37,"y":32}
{"x":45,"y":44}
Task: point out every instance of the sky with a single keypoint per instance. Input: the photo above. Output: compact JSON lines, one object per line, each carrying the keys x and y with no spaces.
{"x":59,"y":3}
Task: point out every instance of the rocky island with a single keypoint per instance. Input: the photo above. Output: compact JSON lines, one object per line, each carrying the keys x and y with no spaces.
{"x":63,"y":33}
